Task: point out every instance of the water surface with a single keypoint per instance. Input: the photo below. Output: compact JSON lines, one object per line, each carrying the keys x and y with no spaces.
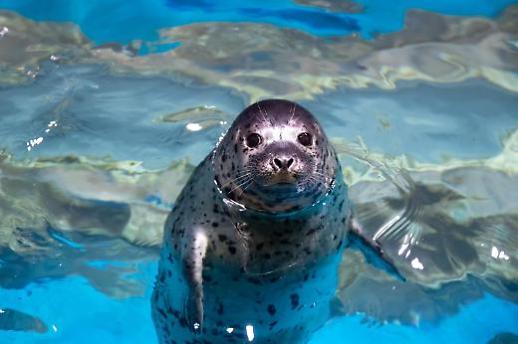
{"x":105,"y":108}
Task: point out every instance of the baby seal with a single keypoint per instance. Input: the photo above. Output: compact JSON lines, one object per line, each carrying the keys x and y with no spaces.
{"x":252,"y":247}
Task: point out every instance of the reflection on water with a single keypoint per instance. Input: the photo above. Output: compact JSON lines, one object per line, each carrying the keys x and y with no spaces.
{"x":97,"y":142}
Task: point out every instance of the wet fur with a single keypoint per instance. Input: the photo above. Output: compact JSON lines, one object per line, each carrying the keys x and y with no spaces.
{"x":234,"y":255}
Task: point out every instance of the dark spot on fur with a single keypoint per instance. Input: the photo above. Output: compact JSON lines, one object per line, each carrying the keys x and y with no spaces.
{"x":183,"y":322}
{"x":274,"y":279}
{"x":254,"y":280}
{"x":162,"y":313}
{"x":295,"y":300}
{"x":271,"y":310}
{"x":311,"y":231}
{"x":222,"y":237}
{"x":232,"y":250}
{"x":215,"y":224}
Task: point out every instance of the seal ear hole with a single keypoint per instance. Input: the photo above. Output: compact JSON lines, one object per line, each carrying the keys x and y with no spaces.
{"x":253,"y":140}
{"x":305,"y":139}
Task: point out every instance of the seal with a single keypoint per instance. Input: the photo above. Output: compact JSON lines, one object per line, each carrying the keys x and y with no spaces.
{"x":252,"y":247}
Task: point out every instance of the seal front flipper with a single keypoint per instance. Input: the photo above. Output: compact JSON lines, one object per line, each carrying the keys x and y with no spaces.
{"x":192,"y":267}
{"x":372,"y":251}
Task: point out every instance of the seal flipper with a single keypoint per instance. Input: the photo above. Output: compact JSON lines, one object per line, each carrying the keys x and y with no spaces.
{"x":193,"y":272}
{"x":372,"y":251}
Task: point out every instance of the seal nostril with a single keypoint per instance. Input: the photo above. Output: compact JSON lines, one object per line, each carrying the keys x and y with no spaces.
{"x":283,"y":163}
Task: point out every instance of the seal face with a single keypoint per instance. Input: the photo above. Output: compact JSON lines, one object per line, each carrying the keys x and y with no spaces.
{"x":252,"y":247}
{"x":275,"y":158}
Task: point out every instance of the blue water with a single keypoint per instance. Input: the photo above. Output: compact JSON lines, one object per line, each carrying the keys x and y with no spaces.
{"x":92,"y":156}
{"x":142,"y":19}
{"x":77,"y":313}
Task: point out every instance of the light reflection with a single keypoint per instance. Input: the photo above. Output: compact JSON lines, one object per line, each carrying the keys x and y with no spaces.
{"x":230,"y":330}
{"x":380,"y":232}
{"x":33,"y":143}
{"x":408,"y":240}
{"x":39,"y":140}
{"x":232,"y":204}
{"x":416,"y":264}
{"x":4,"y":31}
{"x":193,"y":127}
{"x":498,"y":254}
{"x":32,"y":73}
{"x":52,"y":124}
{"x":250,"y":332}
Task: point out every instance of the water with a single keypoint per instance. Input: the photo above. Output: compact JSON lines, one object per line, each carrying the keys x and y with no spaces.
{"x":106,"y":107}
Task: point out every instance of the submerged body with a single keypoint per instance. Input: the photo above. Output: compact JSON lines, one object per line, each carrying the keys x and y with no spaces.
{"x":279,"y":279}
{"x":252,"y":247}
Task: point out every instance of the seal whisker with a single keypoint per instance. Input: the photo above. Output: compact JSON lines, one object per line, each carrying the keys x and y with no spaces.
{"x":320,"y":174}
{"x":243,"y":189}
{"x":265,"y":114}
{"x":236,"y":179}
{"x":240,"y":185}
{"x":292,"y":113}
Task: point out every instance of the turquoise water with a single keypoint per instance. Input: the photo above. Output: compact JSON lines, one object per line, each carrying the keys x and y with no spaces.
{"x":142,"y":19}
{"x":106,"y":107}
{"x":108,"y":320}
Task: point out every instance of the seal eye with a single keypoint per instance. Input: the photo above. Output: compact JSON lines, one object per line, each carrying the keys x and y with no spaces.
{"x":305,"y":139}
{"x":253,"y":140}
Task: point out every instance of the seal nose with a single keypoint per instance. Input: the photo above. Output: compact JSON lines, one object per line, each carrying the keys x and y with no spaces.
{"x":283,"y":163}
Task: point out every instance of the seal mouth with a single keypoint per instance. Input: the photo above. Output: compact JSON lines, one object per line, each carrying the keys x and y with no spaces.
{"x":283,"y":177}
{"x":278,"y":182}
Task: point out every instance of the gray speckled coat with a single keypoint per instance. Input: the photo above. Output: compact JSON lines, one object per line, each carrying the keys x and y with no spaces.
{"x":275,"y":273}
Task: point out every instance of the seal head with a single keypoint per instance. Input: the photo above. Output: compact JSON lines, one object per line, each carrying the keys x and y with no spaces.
{"x":275,"y":158}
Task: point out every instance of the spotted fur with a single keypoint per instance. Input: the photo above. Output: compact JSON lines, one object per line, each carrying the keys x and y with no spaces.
{"x":250,"y":245}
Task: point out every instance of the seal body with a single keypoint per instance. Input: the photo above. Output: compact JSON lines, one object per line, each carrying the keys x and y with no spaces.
{"x":252,"y":247}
